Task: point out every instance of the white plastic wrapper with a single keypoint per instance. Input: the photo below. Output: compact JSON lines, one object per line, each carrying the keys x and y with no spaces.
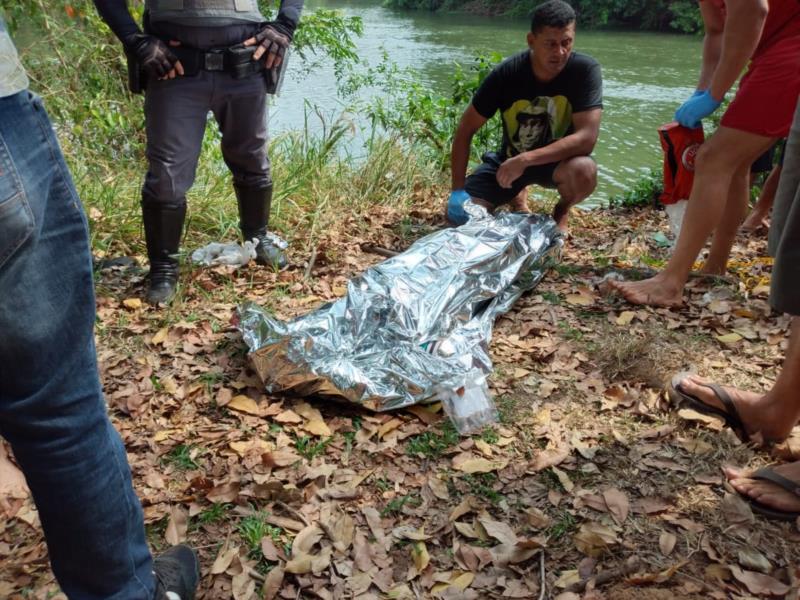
{"x":675,"y":213}
{"x":470,"y":408}
{"x":231,"y":254}
{"x":414,"y":328}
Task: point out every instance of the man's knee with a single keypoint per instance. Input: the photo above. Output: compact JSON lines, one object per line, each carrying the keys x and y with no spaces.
{"x":586,"y":173}
{"x":578,"y":177}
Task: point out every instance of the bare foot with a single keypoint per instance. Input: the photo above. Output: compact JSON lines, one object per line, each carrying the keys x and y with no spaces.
{"x":656,"y":291}
{"x":754,"y":222}
{"x":710,"y":268}
{"x":760,"y":413}
{"x":765,"y":492}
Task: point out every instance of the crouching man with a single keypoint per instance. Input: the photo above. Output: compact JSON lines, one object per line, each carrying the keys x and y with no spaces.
{"x":550,"y":99}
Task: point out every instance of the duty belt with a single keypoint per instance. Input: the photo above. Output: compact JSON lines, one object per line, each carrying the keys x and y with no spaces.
{"x":236,"y":60}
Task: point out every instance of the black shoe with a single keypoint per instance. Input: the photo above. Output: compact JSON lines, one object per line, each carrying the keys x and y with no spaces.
{"x":177,"y":573}
{"x":254,"y":205}
{"x":268,"y":253}
{"x":163,"y":226}
{"x":162,"y":281}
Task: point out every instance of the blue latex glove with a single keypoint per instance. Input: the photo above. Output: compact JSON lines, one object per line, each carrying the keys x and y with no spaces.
{"x":455,"y":207}
{"x":699,"y":106}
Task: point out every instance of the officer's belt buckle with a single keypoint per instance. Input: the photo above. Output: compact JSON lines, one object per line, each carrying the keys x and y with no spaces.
{"x":214,"y":61}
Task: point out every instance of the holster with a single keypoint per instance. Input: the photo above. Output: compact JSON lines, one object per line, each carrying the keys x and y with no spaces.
{"x":137,"y":77}
{"x":274,"y":76}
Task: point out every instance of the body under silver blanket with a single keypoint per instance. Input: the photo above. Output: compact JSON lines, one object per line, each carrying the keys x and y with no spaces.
{"x":412,"y":326}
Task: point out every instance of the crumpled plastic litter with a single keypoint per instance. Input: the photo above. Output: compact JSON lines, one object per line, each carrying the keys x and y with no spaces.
{"x":231,"y":254}
{"x":414,"y":328}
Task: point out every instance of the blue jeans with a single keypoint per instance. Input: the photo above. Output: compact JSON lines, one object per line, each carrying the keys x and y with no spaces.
{"x":52,"y":410}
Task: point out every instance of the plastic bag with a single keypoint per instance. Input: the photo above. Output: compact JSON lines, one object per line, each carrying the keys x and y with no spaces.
{"x":230,"y":254}
{"x":675,"y":212}
{"x":470,"y":408}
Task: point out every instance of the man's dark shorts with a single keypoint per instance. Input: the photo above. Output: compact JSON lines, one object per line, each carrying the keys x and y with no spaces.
{"x":482,"y":182}
{"x":784,"y":234}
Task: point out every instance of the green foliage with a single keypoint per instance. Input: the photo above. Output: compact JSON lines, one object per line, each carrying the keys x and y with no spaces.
{"x":425,"y":119}
{"x":482,"y":486}
{"x":645,"y":192}
{"x":565,"y":524}
{"x":252,"y":529}
{"x":654,"y":15}
{"x":395,"y":505}
{"x":214,"y":513}
{"x":432,"y":444}
{"x":77,"y":65}
{"x":309,"y":449}
{"x":182,"y":457}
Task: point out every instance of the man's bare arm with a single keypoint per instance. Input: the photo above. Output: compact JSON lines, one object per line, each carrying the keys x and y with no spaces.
{"x":714,"y":24}
{"x":471,"y":122}
{"x":743,"y":27}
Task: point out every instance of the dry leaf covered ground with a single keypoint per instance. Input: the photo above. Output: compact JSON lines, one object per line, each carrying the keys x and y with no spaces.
{"x":591,"y":485}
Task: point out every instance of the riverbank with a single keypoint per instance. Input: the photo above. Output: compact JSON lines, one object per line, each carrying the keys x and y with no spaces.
{"x":589,"y":465}
{"x":675,"y":16}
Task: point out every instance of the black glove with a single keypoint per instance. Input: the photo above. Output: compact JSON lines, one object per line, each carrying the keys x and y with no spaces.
{"x":274,"y":40}
{"x":153,"y":55}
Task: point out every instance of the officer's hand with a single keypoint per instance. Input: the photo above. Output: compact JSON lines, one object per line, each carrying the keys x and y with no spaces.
{"x":271,"y":42}
{"x":154,"y":56}
{"x":698,"y":107}
{"x":455,"y":207}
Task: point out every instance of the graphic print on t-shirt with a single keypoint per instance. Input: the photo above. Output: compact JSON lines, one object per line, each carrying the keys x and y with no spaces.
{"x":532,"y":124}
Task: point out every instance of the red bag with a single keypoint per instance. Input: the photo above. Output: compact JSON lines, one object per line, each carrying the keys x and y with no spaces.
{"x":680,"y":145}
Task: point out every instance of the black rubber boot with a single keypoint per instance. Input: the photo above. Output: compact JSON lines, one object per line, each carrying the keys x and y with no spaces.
{"x":254,"y":205}
{"x":163,"y":225}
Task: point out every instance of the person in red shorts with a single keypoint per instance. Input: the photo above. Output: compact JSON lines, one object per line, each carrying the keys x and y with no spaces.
{"x":767,"y":33}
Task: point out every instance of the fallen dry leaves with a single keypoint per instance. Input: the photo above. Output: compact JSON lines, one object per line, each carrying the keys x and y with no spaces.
{"x":592,"y":485}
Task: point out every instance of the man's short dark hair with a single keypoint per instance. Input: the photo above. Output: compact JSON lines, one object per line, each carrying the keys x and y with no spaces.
{"x":554,"y":13}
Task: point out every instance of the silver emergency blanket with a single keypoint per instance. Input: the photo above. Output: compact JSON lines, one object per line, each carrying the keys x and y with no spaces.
{"x":412,"y":326}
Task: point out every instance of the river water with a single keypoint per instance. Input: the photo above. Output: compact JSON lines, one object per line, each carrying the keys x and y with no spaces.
{"x":646,"y":75}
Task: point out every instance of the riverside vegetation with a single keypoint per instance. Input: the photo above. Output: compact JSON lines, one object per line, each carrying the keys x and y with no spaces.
{"x":591,"y":485}
{"x":649,"y":15}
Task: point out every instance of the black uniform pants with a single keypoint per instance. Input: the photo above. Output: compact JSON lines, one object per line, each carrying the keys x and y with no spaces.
{"x":176,"y":112}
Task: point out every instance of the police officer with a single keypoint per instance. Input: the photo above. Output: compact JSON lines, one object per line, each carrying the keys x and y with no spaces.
{"x":197,"y":56}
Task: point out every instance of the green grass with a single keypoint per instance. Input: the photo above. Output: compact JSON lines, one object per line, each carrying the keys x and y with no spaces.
{"x":432,"y":444}
{"x":382,"y":484}
{"x":395,"y":506}
{"x":215,"y":513}
{"x":570,"y":332}
{"x":563,"y":525}
{"x":180,"y":457}
{"x":551,"y":480}
{"x":481,"y":485}
{"x":254,"y":528}
{"x":309,"y":449}
{"x":552,"y":297}
{"x":489,"y":435}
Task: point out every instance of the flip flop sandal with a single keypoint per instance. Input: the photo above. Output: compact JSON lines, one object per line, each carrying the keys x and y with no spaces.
{"x":768,"y":474}
{"x":730,"y":414}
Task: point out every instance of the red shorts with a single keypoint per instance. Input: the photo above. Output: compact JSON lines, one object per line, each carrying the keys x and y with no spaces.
{"x":767,"y":96}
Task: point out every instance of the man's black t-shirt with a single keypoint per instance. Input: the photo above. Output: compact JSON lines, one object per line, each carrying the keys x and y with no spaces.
{"x":537,"y":113}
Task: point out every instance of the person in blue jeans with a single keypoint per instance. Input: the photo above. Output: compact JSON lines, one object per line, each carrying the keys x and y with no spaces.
{"x":52,"y":410}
